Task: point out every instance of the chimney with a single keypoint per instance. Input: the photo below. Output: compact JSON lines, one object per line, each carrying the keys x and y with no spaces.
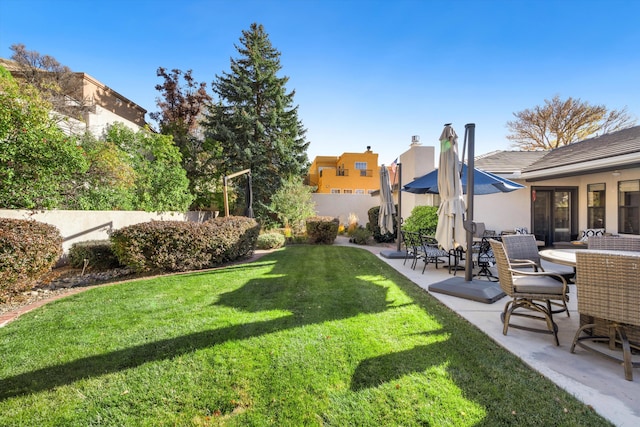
{"x":415,"y":140}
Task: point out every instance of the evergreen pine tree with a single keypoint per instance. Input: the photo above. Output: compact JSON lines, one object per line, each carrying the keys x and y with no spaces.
{"x":254,"y":124}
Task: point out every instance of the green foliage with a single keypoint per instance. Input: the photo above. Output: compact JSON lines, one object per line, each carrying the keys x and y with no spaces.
{"x":360,"y":236}
{"x":422,"y":218}
{"x":38,"y":162}
{"x":270,"y":241}
{"x":293,"y":204}
{"x":110,"y":181}
{"x":161,"y":183}
{"x":322,"y":229}
{"x":98,"y":254}
{"x":183,"y":246}
{"x":374,"y":227}
{"x":254,"y":124}
{"x":28,"y":250}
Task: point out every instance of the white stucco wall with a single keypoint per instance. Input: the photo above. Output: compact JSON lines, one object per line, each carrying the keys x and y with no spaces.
{"x":341,"y":205}
{"x":79,"y":226}
{"x":98,"y":121}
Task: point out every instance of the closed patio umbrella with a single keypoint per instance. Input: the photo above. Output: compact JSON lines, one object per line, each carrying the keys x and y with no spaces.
{"x":450,"y":232}
{"x":385,"y":216}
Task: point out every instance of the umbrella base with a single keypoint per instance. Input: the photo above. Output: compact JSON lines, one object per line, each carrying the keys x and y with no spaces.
{"x":393,"y":254}
{"x":476,"y":290}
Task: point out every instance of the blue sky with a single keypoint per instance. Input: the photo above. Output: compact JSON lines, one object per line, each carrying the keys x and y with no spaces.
{"x":366,"y":73}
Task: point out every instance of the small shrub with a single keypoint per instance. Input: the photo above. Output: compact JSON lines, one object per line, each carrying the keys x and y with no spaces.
{"x":322,"y":229}
{"x":422,"y":218}
{"x":374,"y":227}
{"x":352,"y":223}
{"x":270,"y":241}
{"x":361,"y":236}
{"x":28,"y":250}
{"x":98,"y":253}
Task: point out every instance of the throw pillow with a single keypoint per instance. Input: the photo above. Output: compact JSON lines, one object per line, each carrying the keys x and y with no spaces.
{"x":591,"y":232}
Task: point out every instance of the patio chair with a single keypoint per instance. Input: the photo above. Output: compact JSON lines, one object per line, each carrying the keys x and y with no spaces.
{"x":617,"y":243}
{"x":485,"y":259}
{"x":531,"y":291}
{"x":413,"y":246}
{"x":608,"y":286}
{"x":522,"y":250}
{"x":432,"y":251}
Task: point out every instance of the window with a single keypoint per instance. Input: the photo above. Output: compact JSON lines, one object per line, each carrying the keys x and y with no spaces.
{"x":345,"y":191}
{"x":596,"y":202}
{"x":362,"y":167}
{"x":629,"y":207}
{"x":359,"y":191}
{"x":335,"y":191}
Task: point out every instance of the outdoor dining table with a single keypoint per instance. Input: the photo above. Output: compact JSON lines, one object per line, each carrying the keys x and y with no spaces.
{"x":560,"y":256}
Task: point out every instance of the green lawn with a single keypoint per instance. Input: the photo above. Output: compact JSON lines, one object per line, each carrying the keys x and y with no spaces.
{"x":305,"y":336}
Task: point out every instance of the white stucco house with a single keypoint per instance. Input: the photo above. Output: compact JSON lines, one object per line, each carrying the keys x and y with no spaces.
{"x":590,"y":184}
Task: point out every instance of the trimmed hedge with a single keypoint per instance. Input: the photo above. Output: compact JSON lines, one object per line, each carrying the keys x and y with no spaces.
{"x":28,"y":250}
{"x":184,"y":246}
{"x":98,"y":253}
{"x":270,"y":241}
{"x":322,"y":229}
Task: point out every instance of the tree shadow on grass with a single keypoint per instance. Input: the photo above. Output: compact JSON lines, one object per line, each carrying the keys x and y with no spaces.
{"x":307,"y":305}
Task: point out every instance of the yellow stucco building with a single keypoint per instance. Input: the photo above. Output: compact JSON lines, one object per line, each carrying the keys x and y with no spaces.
{"x":350,"y":173}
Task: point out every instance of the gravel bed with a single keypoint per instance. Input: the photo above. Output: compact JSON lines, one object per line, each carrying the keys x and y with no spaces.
{"x":62,"y":281}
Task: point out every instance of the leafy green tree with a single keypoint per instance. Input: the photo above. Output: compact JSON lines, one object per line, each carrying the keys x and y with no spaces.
{"x":37,"y":160}
{"x":254,"y":124}
{"x":181,"y":106}
{"x":293,"y":204}
{"x":161,"y":183}
{"x":109,"y":183}
{"x":563,"y":122}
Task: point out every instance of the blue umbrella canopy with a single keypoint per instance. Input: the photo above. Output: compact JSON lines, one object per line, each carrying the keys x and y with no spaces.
{"x":484,"y":183}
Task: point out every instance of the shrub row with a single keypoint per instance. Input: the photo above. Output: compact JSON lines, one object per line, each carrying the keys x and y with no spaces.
{"x":28,"y":250}
{"x":183,"y":246}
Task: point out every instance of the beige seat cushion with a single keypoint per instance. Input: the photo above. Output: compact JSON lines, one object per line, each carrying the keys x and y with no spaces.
{"x":537,"y":285}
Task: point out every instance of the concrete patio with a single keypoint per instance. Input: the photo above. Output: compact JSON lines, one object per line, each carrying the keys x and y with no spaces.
{"x":593,"y":379}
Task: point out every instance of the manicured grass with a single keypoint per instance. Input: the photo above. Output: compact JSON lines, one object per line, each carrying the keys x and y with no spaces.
{"x":307,"y":335}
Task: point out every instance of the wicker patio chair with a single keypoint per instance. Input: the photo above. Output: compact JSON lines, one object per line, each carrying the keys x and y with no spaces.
{"x":432,"y":251}
{"x":522,"y":251}
{"x":608,"y":286}
{"x":532,"y":291}
{"x":617,"y":243}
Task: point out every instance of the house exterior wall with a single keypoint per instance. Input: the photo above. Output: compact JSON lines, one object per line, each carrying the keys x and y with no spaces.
{"x":582,"y":181}
{"x":417,"y":161}
{"x":339,"y":174}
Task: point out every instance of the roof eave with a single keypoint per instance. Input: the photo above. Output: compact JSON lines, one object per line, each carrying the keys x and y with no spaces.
{"x":583,"y":168}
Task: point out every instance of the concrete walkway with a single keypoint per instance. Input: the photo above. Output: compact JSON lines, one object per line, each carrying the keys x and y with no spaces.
{"x":595,"y":380}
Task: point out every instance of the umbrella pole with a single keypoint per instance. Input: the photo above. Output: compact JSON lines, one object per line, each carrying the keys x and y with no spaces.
{"x":398,"y":219}
{"x":468,"y":269}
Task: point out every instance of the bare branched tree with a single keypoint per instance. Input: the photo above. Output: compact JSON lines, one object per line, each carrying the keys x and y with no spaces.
{"x":56,"y":82}
{"x":559,"y":123}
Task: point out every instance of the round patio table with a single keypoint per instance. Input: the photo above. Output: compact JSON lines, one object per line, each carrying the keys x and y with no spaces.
{"x":560,"y":256}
